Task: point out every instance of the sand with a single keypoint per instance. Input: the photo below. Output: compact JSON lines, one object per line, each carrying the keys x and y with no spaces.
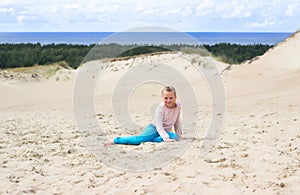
{"x":44,"y":151}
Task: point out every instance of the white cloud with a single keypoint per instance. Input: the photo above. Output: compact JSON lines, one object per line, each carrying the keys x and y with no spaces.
{"x":232,"y":10}
{"x":204,"y":8}
{"x":187,"y":11}
{"x":247,"y":14}
{"x":138,"y":9}
{"x":265,"y":23}
{"x":290,"y":11}
{"x":172,"y":10}
{"x":115,"y":15}
{"x":21,"y":18}
{"x":6,"y":10}
{"x":23,"y":12}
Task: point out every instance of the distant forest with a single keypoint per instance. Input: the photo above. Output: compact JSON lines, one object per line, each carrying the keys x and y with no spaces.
{"x":24,"y":55}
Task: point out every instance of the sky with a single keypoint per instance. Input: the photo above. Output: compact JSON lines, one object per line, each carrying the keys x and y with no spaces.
{"x":120,"y":15}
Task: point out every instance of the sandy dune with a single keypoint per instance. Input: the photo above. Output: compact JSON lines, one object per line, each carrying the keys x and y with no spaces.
{"x":43,"y":151}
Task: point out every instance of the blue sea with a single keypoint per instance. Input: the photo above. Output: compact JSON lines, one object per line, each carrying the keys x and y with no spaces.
{"x":87,"y":38}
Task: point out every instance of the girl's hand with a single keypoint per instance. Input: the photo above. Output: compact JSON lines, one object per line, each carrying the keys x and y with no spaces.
{"x":170,"y":140}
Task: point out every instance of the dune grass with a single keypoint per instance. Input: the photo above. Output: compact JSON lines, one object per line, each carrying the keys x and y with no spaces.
{"x":46,"y":71}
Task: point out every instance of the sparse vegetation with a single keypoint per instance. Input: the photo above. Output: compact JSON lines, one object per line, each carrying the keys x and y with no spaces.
{"x":44,"y":71}
{"x":194,"y":60}
{"x":143,"y":50}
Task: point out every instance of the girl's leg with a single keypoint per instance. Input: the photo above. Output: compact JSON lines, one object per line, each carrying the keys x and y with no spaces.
{"x":147,"y":135}
{"x":171,"y":135}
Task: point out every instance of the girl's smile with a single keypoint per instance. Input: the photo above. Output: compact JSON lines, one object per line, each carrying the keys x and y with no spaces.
{"x":169,"y":99}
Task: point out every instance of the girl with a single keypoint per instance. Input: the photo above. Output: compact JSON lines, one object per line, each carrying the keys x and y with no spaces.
{"x":167,"y":115}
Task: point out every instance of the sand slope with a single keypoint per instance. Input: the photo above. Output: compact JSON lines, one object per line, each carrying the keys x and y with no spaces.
{"x":271,"y":78}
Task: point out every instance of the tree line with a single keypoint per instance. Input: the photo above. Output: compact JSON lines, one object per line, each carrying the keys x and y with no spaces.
{"x":235,"y":53}
{"x":24,"y":55}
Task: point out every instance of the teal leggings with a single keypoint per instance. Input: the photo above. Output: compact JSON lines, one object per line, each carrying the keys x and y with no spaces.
{"x":149,"y":134}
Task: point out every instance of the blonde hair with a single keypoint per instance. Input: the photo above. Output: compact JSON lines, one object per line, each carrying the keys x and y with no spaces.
{"x":169,"y":89}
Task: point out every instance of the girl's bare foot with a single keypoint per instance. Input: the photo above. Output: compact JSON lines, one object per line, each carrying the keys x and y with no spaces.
{"x":109,"y":143}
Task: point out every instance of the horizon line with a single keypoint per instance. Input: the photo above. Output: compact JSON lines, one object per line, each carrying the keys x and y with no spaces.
{"x":147,"y":31}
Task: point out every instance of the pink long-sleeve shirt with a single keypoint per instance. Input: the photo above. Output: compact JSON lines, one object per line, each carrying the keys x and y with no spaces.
{"x":165,"y":118}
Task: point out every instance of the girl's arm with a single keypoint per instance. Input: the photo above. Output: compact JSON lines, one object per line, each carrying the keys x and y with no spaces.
{"x":177,"y":125}
{"x":159,"y":123}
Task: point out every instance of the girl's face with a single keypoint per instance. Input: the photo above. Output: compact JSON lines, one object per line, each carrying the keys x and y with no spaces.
{"x":169,"y":98}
